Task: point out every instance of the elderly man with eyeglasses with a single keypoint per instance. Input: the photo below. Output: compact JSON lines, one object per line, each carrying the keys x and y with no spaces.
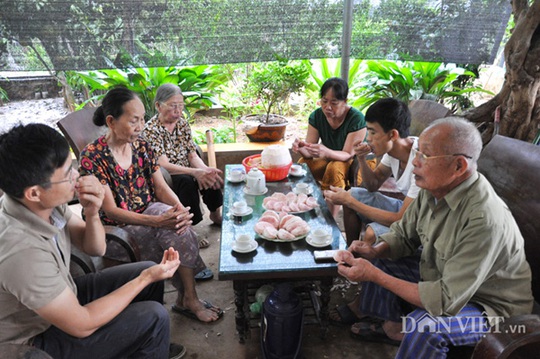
{"x":472,"y":271}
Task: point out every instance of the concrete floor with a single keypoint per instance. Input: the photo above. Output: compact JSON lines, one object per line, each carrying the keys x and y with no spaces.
{"x":220,"y":340}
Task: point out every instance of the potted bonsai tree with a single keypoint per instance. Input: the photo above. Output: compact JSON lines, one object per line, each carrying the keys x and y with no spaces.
{"x":269,"y":84}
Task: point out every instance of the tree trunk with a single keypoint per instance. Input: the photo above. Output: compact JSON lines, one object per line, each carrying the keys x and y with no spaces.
{"x":519,"y":98}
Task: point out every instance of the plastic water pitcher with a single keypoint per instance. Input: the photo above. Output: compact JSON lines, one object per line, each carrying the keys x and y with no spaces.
{"x":282,"y":323}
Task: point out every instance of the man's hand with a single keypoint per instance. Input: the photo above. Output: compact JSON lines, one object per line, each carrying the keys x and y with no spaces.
{"x":90,"y":193}
{"x":337,"y":196}
{"x":354,"y":269}
{"x":169,"y":264}
{"x":362,"y":149}
{"x":363,"y":249}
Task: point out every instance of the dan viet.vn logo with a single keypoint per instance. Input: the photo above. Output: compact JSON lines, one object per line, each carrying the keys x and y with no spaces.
{"x":466,"y":324}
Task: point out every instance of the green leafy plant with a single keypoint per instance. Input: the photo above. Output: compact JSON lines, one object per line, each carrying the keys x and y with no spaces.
{"x":198,"y":84}
{"x":3,"y":94}
{"x":413,"y":80}
{"x":221,"y":135}
{"x":273,"y":82}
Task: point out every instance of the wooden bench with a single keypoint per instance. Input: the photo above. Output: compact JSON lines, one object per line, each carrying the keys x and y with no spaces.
{"x":231,"y":153}
{"x":513,"y":169}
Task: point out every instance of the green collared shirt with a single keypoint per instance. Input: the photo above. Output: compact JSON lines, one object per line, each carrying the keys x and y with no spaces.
{"x":472,"y":251}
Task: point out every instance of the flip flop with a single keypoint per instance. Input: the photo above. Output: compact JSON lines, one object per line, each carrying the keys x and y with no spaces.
{"x":372,"y":332}
{"x":203,"y":243}
{"x":205,"y":274}
{"x":346,"y":315}
{"x":190,"y":314}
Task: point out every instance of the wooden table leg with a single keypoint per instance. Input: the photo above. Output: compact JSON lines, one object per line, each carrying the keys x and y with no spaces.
{"x":240,"y":299}
{"x":326,"y":285}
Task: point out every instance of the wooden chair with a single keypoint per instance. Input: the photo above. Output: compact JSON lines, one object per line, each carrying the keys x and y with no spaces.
{"x":513,"y":169}
{"x":121,"y":249}
{"x":79,"y":130}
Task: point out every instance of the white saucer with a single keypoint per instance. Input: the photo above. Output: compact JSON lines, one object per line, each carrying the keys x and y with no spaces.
{"x":310,"y":191}
{"x":252,"y":246}
{"x":255,"y":194}
{"x":241,"y":179}
{"x":319,"y":245}
{"x":246,"y":213}
{"x":299,"y":174}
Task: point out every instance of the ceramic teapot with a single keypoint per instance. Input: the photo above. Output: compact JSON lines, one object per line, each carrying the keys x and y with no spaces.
{"x":255,"y":181}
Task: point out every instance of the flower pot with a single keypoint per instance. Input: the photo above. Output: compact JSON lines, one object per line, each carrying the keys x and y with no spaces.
{"x":258,"y":131}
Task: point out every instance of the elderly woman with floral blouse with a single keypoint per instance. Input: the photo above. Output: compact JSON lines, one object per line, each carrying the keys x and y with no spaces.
{"x":169,"y":135}
{"x":138,"y":198}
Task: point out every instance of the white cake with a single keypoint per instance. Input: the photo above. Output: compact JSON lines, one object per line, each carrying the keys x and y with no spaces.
{"x":275,"y":156}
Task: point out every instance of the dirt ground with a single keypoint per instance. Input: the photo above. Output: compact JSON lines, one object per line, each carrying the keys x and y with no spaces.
{"x":220,"y":340}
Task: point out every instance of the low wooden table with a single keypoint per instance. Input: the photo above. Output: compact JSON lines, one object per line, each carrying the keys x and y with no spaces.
{"x":273,"y":261}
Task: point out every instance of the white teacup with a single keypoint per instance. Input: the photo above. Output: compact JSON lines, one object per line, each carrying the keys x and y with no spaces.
{"x":243,"y":241}
{"x":240,"y":207}
{"x":302,"y":188}
{"x":319,"y":236}
{"x":236,"y":174}
{"x":296,"y":169}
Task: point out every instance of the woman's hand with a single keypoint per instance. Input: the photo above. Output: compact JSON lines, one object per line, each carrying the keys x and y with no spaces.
{"x":90,"y":193}
{"x":317,"y":150}
{"x":176,"y":218}
{"x":209,"y":178}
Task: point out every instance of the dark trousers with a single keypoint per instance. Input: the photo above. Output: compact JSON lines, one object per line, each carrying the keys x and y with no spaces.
{"x":186,"y":188}
{"x":139,"y":331}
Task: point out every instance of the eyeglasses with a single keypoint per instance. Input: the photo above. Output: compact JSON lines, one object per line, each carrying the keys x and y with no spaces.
{"x":174,"y":106}
{"x":69,"y":179}
{"x":423,"y":157}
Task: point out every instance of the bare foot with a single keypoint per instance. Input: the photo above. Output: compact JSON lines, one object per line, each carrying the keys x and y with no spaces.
{"x":350,"y":316}
{"x":216,"y":217}
{"x":203,"y":313}
{"x":393,"y":330}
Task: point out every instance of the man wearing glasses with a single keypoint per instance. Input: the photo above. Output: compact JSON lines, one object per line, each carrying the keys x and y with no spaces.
{"x":40,"y":303}
{"x":472,"y":271}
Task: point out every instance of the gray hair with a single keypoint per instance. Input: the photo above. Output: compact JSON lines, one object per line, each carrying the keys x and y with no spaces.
{"x":463,"y":137}
{"x":166,"y":91}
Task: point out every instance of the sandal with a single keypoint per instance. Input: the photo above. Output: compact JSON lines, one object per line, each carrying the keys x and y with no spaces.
{"x":203,"y":243}
{"x":345,"y":314}
{"x":372,"y":332}
{"x":205,"y":274}
{"x":189,"y":313}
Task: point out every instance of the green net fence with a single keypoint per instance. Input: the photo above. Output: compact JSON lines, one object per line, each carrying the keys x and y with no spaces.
{"x":93,"y":34}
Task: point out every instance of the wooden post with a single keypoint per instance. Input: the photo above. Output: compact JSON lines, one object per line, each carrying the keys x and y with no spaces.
{"x":211,"y":152}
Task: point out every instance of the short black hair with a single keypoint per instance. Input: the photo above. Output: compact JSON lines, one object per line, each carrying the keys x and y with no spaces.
{"x":391,"y":114}
{"x":29,"y":155}
{"x":340,"y":87}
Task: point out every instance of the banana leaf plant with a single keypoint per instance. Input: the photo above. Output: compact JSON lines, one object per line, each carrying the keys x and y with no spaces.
{"x":198,"y":84}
